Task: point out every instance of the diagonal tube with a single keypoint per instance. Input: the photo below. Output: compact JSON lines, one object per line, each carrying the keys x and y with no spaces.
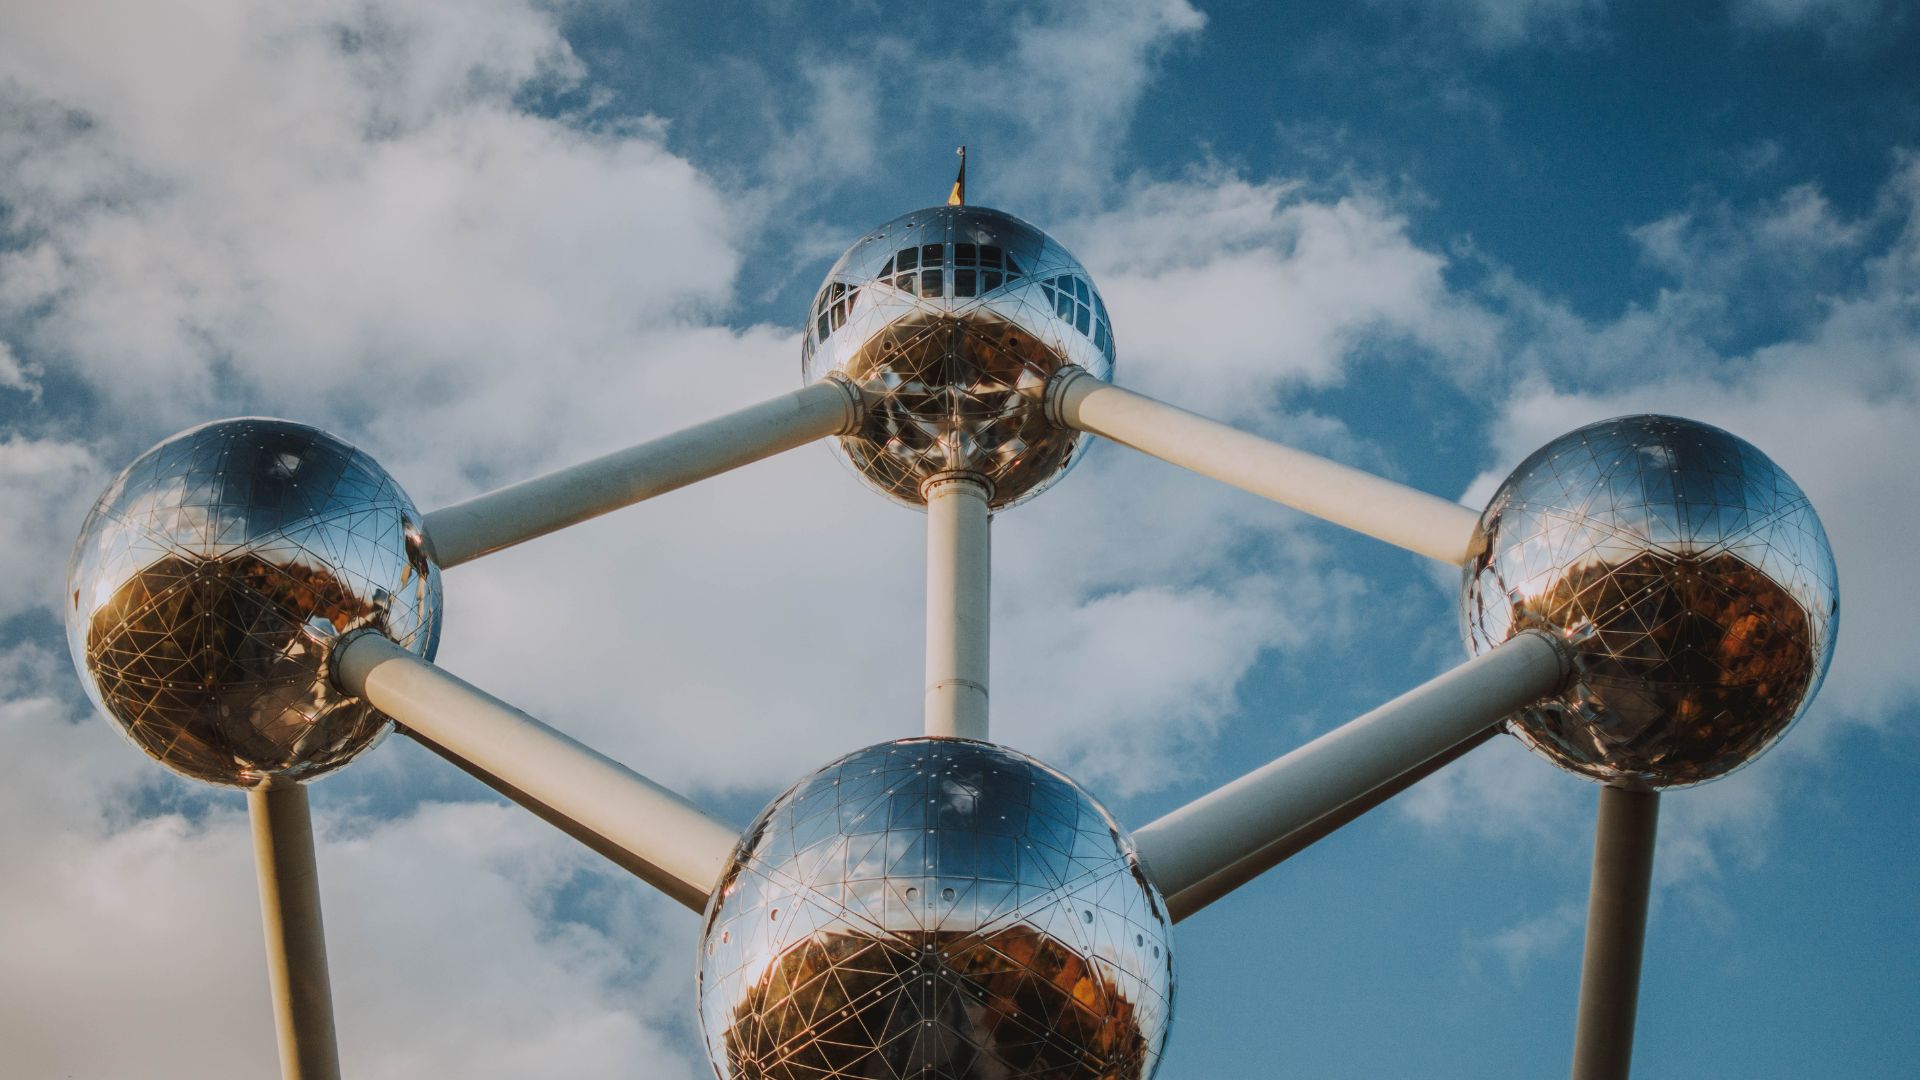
{"x":296,"y":941}
{"x":1623,"y":842}
{"x":655,"y":834}
{"x":1220,"y":883}
{"x":533,"y":508}
{"x":1227,"y":837}
{"x":1361,"y":501}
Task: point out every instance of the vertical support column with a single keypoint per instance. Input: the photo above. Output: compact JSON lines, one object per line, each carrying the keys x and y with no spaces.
{"x":959,"y":568}
{"x":296,"y":943}
{"x":1623,"y":842}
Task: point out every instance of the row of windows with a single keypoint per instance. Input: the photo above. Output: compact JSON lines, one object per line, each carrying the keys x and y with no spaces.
{"x":1074,"y":301}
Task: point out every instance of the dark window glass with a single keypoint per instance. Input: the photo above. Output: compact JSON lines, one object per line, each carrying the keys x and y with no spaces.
{"x":931,"y":254}
{"x":1081,"y":320}
{"x":989,"y":255}
{"x":1046,"y":288}
{"x":839,"y":316}
{"x":908,"y":258}
{"x":824,"y":328}
{"x":885,"y":270}
{"x":837,"y":290}
{"x":1100,"y":335}
{"x":1080,"y":290}
{"x":963,"y":282}
{"x":1100,"y":308}
{"x":989,"y":280}
{"x":1013,"y":268}
{"x":904,"y":283}
{"x":965,"y":254}
{"x":1063,"y":306}
{"x":932,"y":283}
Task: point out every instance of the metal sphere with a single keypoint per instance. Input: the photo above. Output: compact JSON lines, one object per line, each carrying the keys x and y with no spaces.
{"x":1692,"y":580}
{"x":211,"y":580}
{"x":935,"y":908}
{"x":954,"y":318}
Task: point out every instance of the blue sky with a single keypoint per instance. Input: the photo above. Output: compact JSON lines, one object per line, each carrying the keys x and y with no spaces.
{"x":1423,"y":238}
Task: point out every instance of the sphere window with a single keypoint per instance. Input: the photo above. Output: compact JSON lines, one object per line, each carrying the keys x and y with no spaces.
{"x":932,"y":283}
{"x":966,"y":255}
{"x":908,"y":258}
{"x":964,"y":282}
{"x":932,"y":254}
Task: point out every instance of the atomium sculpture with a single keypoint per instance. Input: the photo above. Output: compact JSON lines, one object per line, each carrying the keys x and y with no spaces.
{"x":1649,"y":602}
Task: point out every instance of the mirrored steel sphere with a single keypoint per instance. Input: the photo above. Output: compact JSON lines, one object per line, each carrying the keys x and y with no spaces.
{"x":1693,"y":581}
{"x":953,"y":318}
{"x":935,"y":908}
{"x":212,"y":578}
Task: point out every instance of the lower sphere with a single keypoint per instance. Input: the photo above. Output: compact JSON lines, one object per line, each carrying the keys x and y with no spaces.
{"x":935,"y":908}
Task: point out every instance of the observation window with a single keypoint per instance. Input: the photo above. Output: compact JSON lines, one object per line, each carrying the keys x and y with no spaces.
{"x":964,"y":282}
{"x":932,"y":254}
{"x":908,"y":258}
{"x":932,"y":283}
{"x":966,"y":255}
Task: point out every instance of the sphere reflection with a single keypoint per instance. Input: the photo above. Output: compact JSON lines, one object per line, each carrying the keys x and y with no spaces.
{"x":1690,"y":575}
{"x":213,"y":576}
{"x":953,"y":318}
{"x":939,"y":908}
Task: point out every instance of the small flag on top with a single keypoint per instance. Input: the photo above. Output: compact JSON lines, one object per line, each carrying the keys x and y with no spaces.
{"x":958,"y":197}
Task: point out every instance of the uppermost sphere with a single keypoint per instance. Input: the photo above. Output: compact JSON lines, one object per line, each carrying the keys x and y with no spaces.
{"x":952,"y":319}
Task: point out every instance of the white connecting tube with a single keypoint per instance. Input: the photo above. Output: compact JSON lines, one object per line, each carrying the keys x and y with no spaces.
{"x":654,"y":833}
{"x":1344,"y":495}
{"x":296,"y":941}
{"x":959,"y":586}
{"x":544,"y":504}
{"x":1223,"y":839}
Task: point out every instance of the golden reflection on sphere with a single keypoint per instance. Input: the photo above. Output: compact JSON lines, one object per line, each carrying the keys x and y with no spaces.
{"x":935,"y":908}
{"x":212,"y":578}
{"x":1693,"y":581}
{"x":953,"y":319}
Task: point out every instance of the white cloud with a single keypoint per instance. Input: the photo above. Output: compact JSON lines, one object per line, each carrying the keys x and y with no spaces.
{"x":1232,"y":292}
{"x":449,"y":953}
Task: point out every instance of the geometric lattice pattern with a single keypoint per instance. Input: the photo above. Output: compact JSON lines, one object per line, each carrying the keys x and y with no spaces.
{"x":213,"y":576}
{"x":935,"y":908}
{"x":952,"y":319}
{"x":1693,"y":579}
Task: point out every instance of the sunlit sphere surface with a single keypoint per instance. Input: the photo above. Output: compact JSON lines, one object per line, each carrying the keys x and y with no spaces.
{"x":1693,"y":581}
{"x":210,"y":581}
{"x":935,"y":908}
{"x":953,"y":318}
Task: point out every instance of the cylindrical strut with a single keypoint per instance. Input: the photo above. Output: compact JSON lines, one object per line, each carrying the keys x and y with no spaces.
{"x":1623,"y":842}
{"x":296,"y":942}
{"x":1223,"y":839}
{"x":656,"y":834}
{"x":1344,"y":495}
{"x":544,"y":504}
{"x":959,"y":569}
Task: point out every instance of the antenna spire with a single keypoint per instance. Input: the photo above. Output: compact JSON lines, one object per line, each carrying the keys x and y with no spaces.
{"x":958,"y":196}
